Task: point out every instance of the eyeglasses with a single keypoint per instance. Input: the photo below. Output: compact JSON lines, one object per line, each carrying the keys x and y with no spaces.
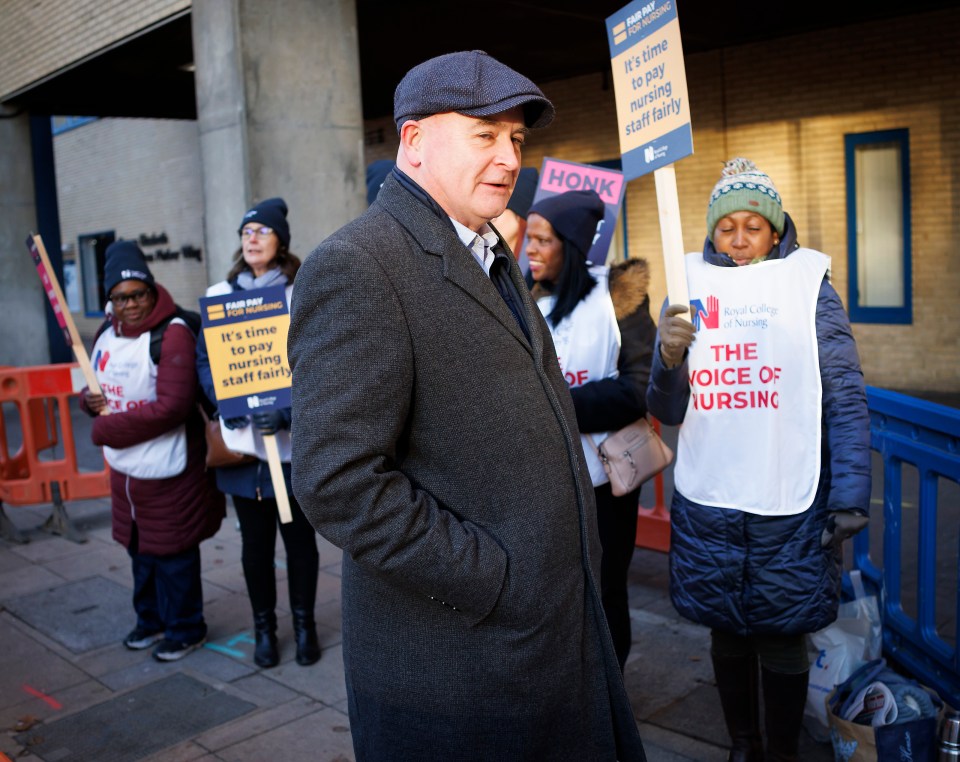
{"x":260,"y":232}
{"x":120,"y":300}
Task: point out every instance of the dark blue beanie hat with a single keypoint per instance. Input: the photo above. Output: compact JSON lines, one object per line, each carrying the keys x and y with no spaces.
{"x":376,"y":173}
{"x":272,"y":212}
{"x":574,"y":216}
{"x":125,"y":261}
{"x":471,"y":83}
{"x":523,"y":192}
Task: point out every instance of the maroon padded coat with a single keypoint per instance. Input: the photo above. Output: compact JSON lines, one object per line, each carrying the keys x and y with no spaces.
{"x":173,"y":514}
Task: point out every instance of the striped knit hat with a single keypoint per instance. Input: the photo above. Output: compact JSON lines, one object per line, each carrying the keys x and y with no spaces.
{"x":744,"y":188}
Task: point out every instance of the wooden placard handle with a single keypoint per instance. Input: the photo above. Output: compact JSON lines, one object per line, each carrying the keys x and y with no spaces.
{"x":671,"y":235}
{"x":59,"y":303}
{"x":276,"y":477}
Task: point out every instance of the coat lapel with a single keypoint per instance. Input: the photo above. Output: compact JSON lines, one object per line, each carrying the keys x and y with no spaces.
{"x":437,"y":237}
{"x":461,"y":269}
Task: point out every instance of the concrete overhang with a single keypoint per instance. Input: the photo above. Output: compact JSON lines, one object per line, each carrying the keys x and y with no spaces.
{"x":151,"y":75}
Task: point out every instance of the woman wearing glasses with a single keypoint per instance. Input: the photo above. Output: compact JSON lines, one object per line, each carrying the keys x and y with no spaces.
{"x":163,"y":502}
{"x":262,"y":260}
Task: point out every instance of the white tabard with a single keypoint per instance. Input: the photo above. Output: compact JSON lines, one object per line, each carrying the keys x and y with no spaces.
{"x":750,"y":438}
{"x":588,"y":347}
{"x":128,"y":378}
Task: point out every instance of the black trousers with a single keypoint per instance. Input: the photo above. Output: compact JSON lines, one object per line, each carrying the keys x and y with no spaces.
{"x":784,"y":654}
{"x":617,"y":526}
{"x":167,"y":592}
{"x":258,"y":529}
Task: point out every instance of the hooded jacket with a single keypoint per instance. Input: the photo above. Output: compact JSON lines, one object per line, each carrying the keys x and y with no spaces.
{"x":175,"y":513}
{"x":752,"y":574}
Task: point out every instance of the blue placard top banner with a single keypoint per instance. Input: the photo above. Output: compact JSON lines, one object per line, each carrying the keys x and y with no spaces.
{"x":241,"y":306}
{"x":636,"y":21}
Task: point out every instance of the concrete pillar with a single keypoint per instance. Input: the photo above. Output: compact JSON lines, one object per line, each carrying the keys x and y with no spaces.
{"x":23,"y":331}
{"x":222,"y":120}
{"x":279,"y":111}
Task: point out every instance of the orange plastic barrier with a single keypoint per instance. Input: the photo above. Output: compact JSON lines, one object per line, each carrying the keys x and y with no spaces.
{"x":653,"y":524}
{"x":42,"y":395}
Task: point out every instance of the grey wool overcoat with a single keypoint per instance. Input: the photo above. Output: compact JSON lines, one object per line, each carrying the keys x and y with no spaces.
{"x":439,"y":449}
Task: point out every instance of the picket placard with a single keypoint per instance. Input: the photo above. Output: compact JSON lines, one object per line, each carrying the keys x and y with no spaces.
{"x":51,"y":287}
{"x":246,"y":337}
{"x":653,"y":114}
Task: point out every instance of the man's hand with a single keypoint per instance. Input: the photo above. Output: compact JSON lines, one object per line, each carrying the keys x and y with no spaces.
{"x":676,"y":334}
{"x":240,"y":422}
{"x":840,"y":526}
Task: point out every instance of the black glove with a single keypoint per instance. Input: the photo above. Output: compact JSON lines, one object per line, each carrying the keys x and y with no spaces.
{"x":840,"y":526}
{"x":676,"y":334}
{"x":240,"y":422}
{"x":271,"y":421}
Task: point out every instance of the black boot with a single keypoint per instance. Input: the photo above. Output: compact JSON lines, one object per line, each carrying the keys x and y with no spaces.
{"x":265,"y":652}
{"x":738,"y":685}
{"x":784,"y":697}
{"x":302,"y":569}
{"x":305,"y":633}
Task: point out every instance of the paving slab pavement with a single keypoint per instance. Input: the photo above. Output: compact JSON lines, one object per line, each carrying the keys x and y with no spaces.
{"x":54,"y":665}
{"x":48,"y":672}
{"x":64,"y":608}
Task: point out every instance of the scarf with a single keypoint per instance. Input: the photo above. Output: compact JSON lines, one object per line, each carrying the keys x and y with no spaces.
{"x":272,"y":277}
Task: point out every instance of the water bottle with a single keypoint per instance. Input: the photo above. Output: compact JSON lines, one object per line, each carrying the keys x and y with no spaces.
{"x":948,"y":741}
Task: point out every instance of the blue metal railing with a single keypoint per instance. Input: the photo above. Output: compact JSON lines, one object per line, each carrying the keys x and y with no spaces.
{"x":912,"y":432}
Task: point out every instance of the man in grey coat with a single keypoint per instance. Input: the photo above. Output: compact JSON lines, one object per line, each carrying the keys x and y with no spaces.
{"x":435,"y":442}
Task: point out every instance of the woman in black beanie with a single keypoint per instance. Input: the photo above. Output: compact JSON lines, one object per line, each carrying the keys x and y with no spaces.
{"x":163,"y":503}
{"x":262,"y":260}
{"x":599,"y":318}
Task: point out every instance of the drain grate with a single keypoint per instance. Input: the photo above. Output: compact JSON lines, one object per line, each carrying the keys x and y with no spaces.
{"x":136,"y":724}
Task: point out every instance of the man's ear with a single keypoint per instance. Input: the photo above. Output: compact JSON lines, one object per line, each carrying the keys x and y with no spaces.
{"x":411,"y":139}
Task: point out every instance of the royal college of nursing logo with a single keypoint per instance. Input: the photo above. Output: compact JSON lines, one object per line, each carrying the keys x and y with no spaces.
{"x":100,"y":359}
{"x":750,"y":315}
{"x":709,"y":316}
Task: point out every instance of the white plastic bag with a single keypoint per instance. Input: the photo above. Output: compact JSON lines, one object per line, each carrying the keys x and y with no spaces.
{"x":839,"y":649}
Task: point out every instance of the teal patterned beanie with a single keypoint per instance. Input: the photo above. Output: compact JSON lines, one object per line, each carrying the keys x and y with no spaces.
{"x":744,"y":188}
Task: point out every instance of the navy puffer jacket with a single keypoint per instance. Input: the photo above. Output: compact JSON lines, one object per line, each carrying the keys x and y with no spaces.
{"x":750,"y":574}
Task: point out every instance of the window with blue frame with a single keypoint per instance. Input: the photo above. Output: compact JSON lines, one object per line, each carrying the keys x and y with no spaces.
{"x":878,"y":226}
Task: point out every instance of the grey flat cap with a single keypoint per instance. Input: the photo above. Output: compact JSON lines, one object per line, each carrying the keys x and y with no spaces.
{"x":470,"y":83}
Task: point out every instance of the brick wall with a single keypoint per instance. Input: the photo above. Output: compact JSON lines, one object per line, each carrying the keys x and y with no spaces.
{"x":787,"y":104}
{"x":135,"y":177}
{"x":39,"y":37}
